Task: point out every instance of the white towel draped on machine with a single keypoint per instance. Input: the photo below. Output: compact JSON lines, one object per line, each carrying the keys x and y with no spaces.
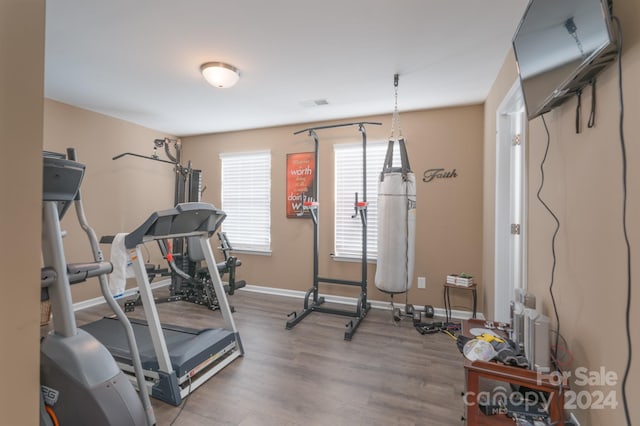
{"x":121,"y":266}
{"x":396,"y":224}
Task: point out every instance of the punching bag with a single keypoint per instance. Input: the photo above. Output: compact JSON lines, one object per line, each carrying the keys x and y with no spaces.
{"x":396,"y":224}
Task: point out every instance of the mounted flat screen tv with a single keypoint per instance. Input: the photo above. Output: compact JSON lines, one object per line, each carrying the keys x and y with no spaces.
{"x":561,"y":46}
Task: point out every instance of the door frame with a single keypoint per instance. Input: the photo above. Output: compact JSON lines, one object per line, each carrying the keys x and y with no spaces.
{"x":514,"y":274}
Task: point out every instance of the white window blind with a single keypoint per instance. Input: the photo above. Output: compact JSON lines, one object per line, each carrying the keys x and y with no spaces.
{"x":246,"y":199}
{"x":348,"y":181}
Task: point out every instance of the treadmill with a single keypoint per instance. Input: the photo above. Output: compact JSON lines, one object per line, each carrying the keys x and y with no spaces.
{"x":176,"y":360}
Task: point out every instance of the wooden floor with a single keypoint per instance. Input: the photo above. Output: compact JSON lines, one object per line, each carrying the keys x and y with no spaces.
{"x":386,"y":375}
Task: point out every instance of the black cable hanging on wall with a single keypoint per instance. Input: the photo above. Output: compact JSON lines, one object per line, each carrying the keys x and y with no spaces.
{"x":591,"y":123}
{"x":627,"y":318}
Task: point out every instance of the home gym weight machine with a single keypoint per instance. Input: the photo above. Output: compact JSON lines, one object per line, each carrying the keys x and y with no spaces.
{"x":313,"y":302}
{"x":189,"y":281}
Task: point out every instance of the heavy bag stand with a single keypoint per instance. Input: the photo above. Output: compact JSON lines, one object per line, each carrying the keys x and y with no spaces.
{"x":315,"y":304}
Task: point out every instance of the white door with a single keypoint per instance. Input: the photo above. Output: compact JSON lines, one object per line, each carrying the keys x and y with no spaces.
{"x":510,"y":220}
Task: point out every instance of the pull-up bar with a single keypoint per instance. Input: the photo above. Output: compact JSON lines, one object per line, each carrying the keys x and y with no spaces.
{"x":331,"y":126}
{"x":361,"y":128}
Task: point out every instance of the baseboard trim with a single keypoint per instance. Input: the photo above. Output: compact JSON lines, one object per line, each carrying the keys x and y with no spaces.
{"x":296,"y":294}
{"x":375,"y":304}
{"x":89,"y":303}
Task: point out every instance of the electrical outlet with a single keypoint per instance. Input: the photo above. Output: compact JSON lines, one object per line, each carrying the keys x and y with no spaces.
{"x":422,"y":282}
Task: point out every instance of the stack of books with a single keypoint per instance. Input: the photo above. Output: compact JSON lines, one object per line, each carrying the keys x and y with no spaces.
{"x":464,"y":280}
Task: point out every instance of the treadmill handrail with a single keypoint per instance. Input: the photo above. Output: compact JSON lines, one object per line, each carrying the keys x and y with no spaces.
{"x":186,"y":219}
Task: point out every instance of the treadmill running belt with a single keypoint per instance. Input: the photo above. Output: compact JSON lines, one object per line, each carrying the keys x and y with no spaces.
{"x":187,"y":347}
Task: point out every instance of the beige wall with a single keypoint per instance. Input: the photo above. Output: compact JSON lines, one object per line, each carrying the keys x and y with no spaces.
{"x":21,"y":85}
{"x":449,"y":215}
{"x":117,"y":195}
{"x":583,"y":186}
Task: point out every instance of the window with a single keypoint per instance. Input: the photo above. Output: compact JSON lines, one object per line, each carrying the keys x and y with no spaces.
{"x":348,"y":181}
{"x":246,"y":199}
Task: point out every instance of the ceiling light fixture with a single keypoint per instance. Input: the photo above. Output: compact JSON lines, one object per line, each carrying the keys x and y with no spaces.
{"x":219,"y":74}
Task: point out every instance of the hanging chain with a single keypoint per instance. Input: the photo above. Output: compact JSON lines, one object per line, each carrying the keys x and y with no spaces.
{"x":395,"y":121}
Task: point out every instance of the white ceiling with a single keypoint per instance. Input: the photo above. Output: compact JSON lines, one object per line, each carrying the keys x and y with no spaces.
{"x":138,"y":60}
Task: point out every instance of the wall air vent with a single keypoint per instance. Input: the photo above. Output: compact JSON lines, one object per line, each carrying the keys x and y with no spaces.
{"x":314,"y":103}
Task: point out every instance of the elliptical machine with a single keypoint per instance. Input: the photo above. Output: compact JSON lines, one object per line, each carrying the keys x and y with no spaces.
{"x":80,"y":381}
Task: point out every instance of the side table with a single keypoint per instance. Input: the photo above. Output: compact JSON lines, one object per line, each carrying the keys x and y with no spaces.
{"x":493,"y":371}
{"x":473,"y":288}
